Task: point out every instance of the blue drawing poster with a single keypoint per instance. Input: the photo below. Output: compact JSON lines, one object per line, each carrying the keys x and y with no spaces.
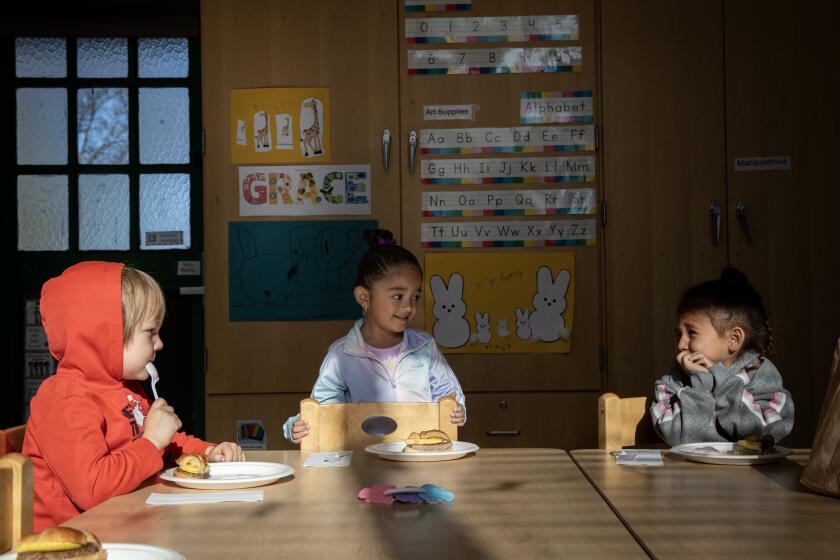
{"x":295,"y":271}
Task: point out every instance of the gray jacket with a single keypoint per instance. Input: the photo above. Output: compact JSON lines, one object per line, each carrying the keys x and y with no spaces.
{"x":726,"y":404}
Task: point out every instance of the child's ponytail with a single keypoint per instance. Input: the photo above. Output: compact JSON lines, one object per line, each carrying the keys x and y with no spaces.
{"x":382,"y":257}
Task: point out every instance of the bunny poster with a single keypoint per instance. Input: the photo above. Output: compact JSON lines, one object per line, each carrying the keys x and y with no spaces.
{"x":496,"y":303}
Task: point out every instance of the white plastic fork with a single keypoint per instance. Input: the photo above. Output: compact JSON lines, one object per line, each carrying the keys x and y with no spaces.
{"x":150,"y":367}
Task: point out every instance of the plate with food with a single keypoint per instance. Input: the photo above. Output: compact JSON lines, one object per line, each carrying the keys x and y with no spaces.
{"x":428,"y":445}
{"x":193,"y":471}
{"x":65,"y":542}
{"x":749,"y":451}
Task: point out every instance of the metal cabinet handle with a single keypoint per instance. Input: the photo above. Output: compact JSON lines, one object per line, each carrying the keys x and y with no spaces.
{"x":412,"y":150}
{"x":503,"y":433}
{"x":714,"y":217}
{"x":386,"y":148}
{"x":743,"y":214}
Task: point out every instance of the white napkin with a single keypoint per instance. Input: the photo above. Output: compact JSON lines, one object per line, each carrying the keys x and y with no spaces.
{"x":649,"y":457}
{"x":157,"y":499}
{"x":329,"y":459}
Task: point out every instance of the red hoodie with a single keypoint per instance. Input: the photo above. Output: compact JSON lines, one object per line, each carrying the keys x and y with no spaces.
{"x":83,"y":433}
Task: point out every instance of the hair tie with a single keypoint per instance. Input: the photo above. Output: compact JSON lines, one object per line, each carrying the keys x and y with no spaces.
{"x":381,"y":241}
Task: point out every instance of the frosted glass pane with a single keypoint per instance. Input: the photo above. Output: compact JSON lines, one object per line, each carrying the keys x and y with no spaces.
{"x":102,"y":58}
{"x":40,"y":57}
{"x":164,"y":125}
{"x":163,"y":58}
{"x":42,"y":209}
{"x":42,"y":126}
{"x":165,"y":211}
{"x":102,"y":119}
{"x":103,"y":212}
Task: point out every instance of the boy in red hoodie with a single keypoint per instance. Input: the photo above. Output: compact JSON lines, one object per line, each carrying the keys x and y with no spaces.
{"x":92,"y":432}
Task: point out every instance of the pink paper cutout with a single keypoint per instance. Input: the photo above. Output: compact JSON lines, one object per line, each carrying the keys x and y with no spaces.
{"x":376,"y":494}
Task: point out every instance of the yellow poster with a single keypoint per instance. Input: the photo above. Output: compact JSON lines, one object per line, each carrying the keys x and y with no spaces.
{"x":480,"y":303}
{"x":280,"y":125}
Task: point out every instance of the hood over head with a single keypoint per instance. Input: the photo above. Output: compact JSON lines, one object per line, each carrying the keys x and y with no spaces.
{"x":81,"y":311}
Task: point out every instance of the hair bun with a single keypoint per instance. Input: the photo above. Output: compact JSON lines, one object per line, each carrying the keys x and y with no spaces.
{"x":378,"y":238}
{"x":735,"y":277}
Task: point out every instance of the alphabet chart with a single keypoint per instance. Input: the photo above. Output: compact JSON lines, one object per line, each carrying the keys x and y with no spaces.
{"x":507,"y":234}
{"x":496,"y":61}
{"x":496,"y":29}
{"x":496,"y":140}
{"x":508,"y":170}
{"x":508,"y":203}
{"x":555,"y":106}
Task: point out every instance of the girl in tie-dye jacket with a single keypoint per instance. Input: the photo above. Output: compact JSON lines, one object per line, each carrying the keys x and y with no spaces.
{"x":722,"y":387}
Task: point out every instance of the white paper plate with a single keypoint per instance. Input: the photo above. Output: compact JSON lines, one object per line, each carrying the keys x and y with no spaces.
{"x":722,"y":454}
{"x":229,"y":476}
{"x":129,"y":551}
{"x":393,"y":451}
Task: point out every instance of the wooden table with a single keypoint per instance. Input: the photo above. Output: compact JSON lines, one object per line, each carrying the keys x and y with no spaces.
{"x":509,"y":503}
{"x":695,"y":510}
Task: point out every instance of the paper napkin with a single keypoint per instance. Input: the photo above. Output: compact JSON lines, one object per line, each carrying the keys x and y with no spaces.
{"x":156,"y":499}
{"x":649,"y":457}
{"x":329,"y":459}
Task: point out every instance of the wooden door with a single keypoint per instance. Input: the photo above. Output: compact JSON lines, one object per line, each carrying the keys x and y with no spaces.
{"x":662,"y":154}
{"x":260,"y":370}
{"x":782,"y":86}
{"x":508,"y":388}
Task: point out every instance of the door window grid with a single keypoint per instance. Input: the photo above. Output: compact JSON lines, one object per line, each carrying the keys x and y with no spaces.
{"x":81,"y":126}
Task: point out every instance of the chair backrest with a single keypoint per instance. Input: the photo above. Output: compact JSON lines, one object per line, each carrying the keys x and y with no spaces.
{"x":620,"y":420}
{"x":15,"y":499}
{"x":11,"y":439}
{"x":339,"y":426}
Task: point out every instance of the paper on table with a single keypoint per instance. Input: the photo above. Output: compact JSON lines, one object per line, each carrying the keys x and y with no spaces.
{"x":649,"y":457}
{"x":157,"y":499}
{"x":329,"y":459}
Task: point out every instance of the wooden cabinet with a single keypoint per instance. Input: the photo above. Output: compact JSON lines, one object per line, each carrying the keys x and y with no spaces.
{"x":688,"y":88}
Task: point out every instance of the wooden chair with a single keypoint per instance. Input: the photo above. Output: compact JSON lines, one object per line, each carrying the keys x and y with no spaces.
{"x":339,"y":426}
{"x":11,"y":439}
{"x":16,"y":489}
{"x":623,"y":422}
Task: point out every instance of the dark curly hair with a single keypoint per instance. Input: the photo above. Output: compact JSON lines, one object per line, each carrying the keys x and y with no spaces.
{"x":731,"y":301}
{"x":382,"y":257}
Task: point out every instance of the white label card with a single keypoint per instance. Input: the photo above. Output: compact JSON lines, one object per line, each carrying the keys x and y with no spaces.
{"x":448,"y":113}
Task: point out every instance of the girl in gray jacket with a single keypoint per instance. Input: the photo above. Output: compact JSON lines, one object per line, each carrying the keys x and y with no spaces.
{"x":722,"y":386}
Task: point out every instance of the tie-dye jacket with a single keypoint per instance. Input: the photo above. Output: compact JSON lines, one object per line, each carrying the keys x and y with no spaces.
{"x":726,"y":404}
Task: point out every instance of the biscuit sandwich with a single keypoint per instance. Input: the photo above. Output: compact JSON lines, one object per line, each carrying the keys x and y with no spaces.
{"x":60,"y":543}
{"x":429,"y":440}
{"x":192,"y":465}
{"x":755,"y":445}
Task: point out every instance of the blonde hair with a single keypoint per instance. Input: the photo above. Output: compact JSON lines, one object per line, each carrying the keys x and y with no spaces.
{"x":142,"y":299}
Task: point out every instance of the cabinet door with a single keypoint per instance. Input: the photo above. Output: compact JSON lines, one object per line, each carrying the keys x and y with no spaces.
{"x":663,"y":163}
{"x":497,"y":99}
{"x":342,"y":45}
{"x":782,"y":87}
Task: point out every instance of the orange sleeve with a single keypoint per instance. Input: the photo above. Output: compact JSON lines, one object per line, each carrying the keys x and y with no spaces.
{"x":182,"y":443}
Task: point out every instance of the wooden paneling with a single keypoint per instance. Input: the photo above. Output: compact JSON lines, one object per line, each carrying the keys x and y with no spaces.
{"x":663,"y":160}
{"x":793,"y":261}
{"x":272,"y":409}
{"x":565,"y":420}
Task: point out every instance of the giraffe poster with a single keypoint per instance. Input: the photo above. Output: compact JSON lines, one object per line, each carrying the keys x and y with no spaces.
{"x":280,"y":125}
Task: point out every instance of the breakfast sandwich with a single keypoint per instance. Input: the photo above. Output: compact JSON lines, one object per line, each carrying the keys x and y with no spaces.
{"x":429,"y":440}
{"x":60,"y":543}
{"x":755,"y":445}
{"x":192,"y":465}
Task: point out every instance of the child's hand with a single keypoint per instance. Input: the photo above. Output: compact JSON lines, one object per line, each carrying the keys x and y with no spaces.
{"x":458,"y":416}
{"x":694,"y":362}
{"x":160,"y":424}
{"x":224,"y":452}
{"x":300,"y":429}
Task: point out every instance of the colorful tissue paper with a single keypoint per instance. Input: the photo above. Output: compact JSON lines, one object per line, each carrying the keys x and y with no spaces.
{"x":429,"y":493}
{"x":376,"y":494}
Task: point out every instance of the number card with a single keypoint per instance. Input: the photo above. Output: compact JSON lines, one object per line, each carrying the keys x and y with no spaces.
{"x":513,"y":170}
{"x":412,"y":6}
{"x":508,"y":203}
{"x":486,"y":29}
{"x":495,"y":61}
{"x":507,"y":234}
{"x":501,"y":140}
{"x":555,"y":106}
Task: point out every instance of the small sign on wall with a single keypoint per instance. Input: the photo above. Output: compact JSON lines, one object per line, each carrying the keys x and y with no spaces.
{"x":251,"y":434}
{"x":762,"y":163}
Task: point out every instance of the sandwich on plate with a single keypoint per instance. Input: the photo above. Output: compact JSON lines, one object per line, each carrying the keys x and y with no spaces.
{"x":60,"y":543}
{"x":429,"y":440}
{"x":192,"y":465}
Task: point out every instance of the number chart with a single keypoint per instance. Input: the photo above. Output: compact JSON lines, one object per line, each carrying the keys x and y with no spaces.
{"x":495,"y":29}
{"x":496,"y":61}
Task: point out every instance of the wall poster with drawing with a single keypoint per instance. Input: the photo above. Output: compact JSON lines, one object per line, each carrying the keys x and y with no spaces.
{"x":295,"y":271}
{"x":479,"y":303}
